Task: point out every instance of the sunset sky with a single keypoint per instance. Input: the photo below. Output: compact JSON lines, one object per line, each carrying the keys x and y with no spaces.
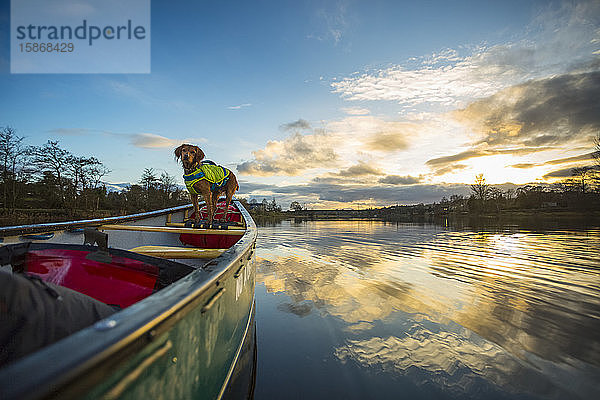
{"x":339,"y":103}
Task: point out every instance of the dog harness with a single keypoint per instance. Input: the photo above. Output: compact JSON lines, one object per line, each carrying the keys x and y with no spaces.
{"x":215,"y":174}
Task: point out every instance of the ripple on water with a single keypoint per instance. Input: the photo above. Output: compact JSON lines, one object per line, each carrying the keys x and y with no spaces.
{"x":513,"y":312}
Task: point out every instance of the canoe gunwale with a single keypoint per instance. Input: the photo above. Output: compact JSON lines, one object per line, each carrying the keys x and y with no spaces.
{"x":58,"y":226}
{"x":134,"y":328}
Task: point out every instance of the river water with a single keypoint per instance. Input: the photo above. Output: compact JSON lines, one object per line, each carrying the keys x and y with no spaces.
{"x":374,"y":310}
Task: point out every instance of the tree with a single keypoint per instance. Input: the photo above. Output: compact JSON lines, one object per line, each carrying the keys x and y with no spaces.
{"x":296,"y":206}
{"x":52,"y":158}
{"x":596,"y":153}
{"x":272,"y":206}
{"x":582,"y":177}
{"x":11,"y":152}
{"x":508,"y":195}
{"x":149,"y":180}
{"x":480,"y":188}
{"x":78,"y":168}
{"x":95,"y":173}
{"x":167,"y":182}
{"x":496,"y":196}
{"x":167,"y":188}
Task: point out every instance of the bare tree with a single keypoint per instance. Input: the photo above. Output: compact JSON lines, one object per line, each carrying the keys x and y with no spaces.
{"x":92,"y":175}
{"x":79,"y":170}
{"x":496,"y":195}
{"x":166,"y":182}
{"x":596,"y":153}
{"x":167,"y":186}
{"x":480,"y":188}
{"x":11,"y":151}
{"x":95,"y":173}
{"x":51,"y":157}
{"x":582,"y":177}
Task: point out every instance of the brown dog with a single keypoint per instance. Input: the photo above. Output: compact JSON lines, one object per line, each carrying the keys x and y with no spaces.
{"x":207,"y":180}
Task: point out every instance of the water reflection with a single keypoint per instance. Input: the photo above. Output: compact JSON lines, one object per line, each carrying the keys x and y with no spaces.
{"x":511,"y":312}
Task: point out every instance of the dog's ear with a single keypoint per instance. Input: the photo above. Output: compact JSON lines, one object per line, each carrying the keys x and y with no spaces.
{"x":178,"y":152}
{"x":199,"y":155}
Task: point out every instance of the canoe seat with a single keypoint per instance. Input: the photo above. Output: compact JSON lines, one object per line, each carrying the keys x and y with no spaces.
{"x":177,"y":252}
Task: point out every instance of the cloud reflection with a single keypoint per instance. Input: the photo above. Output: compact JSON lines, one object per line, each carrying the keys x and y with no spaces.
{"x":515,"y":310}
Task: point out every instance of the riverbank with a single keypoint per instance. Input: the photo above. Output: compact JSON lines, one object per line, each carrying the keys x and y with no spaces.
{"x":531,"y":219}
{"x":391,"y":216}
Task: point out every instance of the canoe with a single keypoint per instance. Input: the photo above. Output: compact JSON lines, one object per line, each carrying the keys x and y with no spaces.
{"x":182,"y":301}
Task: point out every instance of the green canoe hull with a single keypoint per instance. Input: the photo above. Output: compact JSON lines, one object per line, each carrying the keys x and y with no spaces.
{"x":192,"y":340}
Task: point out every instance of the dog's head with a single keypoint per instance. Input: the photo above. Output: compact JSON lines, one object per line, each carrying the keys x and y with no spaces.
{"x":189,"y":155}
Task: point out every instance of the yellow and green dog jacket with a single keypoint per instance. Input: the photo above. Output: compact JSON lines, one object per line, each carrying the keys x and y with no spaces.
{"x":215,"y":174}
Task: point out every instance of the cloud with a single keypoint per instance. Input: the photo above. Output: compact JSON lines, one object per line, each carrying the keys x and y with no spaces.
{"x":561,"y":173}
{"x":426,"y":84}
{"x":291,"y":156}
{"x":523,"y":165}
{"x":533,"y":117}
{"x":299,"y":124}
{"x":399,"y":180}
{"x":141,"y":140}
{"x":362,"y":174}
{"x":465,"y":155}
{"x":566,"y":160}
{"x":447,"y":164}
{"x":582,"y":157}
{"x":355,"y":111}
{"x":152,"y":141}
{"x":372,"y":133}
{"x":387,"y":141}
{"x":239,"y":106}
{"x":439,"y":171}
{"x":561,"y":39}
{"x":360,"y":169}
{"x":382,"y":195}
{"x":327,"y":146}
{"x":552,"y":111}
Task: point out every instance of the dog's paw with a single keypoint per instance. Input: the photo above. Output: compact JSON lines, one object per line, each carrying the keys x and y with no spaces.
{"x":201,"y":225}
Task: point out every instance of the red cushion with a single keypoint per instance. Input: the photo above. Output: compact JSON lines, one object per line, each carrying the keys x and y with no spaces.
{"x":122,"y":282}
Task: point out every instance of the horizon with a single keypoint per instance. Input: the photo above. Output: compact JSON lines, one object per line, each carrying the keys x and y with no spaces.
{"x":336,"y":105}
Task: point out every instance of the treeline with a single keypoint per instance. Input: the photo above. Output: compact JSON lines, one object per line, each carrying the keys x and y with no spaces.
{"x":574,"y":194}
{"x":50,"y":177}
{"x":578,"y":193}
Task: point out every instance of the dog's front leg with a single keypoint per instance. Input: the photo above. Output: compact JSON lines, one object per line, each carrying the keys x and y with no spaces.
{"x":209,"y":206}
{"x":196,"y":208}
